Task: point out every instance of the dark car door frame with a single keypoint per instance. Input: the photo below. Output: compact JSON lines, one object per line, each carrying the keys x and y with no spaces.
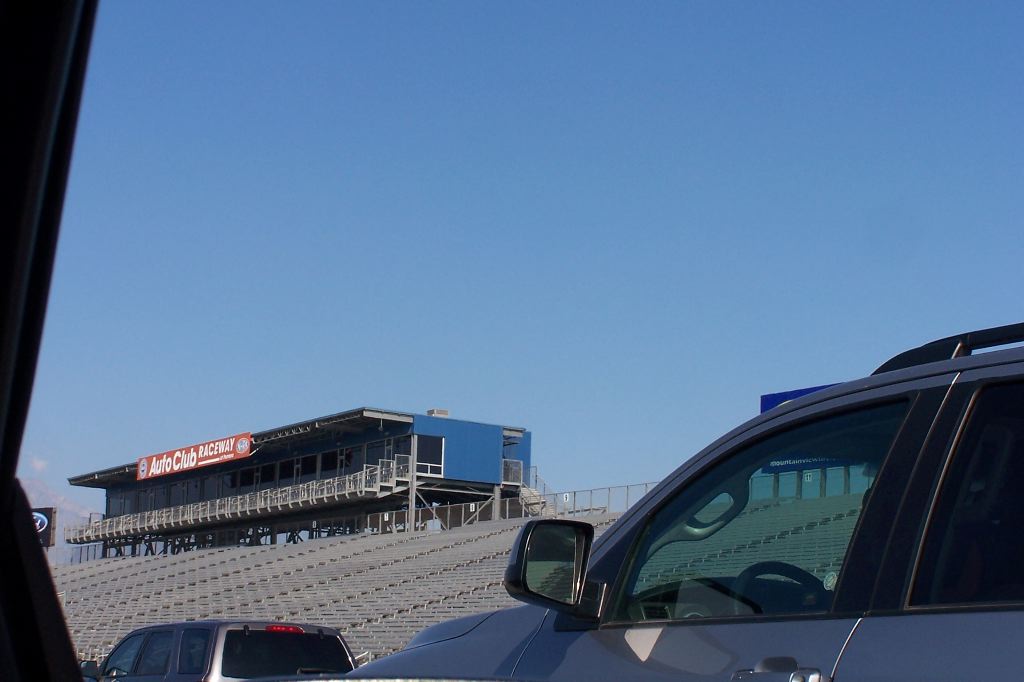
{"x":942,"y":642}
{"x":897,"y":574}
{"x":45,"y":48}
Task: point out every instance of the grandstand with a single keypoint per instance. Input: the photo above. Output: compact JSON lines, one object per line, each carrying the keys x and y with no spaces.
{"x":380,"y":524}
{"x":318,"y":478}
{"x":378,"y":589}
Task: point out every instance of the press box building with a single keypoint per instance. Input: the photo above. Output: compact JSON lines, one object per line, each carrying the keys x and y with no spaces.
{"x":342,"y":473}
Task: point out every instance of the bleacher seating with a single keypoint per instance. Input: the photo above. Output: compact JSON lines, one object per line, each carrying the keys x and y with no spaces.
{"x":379,"y":590}
{"x":812,"y":533}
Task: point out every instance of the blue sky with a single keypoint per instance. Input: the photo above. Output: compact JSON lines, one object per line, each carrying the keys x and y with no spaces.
{"x":615,"y":224}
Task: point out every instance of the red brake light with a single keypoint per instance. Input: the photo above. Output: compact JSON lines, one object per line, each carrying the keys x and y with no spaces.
{"x":284,"y":628}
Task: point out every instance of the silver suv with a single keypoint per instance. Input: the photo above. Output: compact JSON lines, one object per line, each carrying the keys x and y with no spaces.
{"x":873,"y":530}
{"x":216,"y":651}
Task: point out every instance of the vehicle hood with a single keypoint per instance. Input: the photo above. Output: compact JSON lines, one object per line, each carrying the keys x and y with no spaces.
{"x":483,"y":646}
{"x":449,"y":629}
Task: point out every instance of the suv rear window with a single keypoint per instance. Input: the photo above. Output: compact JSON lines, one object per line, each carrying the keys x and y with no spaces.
{"x":259,"y":653}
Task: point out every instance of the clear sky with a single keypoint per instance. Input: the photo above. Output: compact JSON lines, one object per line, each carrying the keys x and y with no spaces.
{"x":615,"y":224}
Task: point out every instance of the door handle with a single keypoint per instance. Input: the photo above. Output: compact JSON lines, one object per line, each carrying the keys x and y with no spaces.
{"x":779,"y":669}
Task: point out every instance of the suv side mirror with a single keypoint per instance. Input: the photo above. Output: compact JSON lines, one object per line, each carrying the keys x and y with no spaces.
{"x":548,"y":563}
{"x":90,"y":669}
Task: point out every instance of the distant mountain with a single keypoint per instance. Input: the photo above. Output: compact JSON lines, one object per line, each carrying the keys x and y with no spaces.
{"x":69,"y":513}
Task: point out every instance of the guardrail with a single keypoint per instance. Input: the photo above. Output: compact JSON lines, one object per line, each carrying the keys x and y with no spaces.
{"x":372,"y":481}
{"x":615,"y":499}
{"x":594,"y":501}
{"x":533,"y":480}
{"x":365,"y":483}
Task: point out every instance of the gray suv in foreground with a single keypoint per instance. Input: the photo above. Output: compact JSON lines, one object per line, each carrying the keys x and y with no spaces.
{"x":217,"y":651}
{"x":873,"y":530}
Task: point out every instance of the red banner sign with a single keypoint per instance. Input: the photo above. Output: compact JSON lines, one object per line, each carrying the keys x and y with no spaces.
{"x":194,"y":456}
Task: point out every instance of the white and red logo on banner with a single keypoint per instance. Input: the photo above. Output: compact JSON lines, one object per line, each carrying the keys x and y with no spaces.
{"x":194,"y":456}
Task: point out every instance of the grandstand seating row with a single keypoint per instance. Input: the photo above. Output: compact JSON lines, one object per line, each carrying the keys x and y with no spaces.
{"x":377,"y":589}
{"x":811,"y":533}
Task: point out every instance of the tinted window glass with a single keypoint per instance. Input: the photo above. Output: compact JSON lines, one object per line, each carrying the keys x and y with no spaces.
{"x":430,"y":450}
{"x":403,"y":445}
{"x":973,"y":552}
{"x":374,"y":451}
{"x":763,"y":532}
{"x":155,"y":654}
{"x":308,"y":468}
{"x":192,"y":658}
{"x":246,"y":480}
{"x":121,"y":659}
{"x":329,"y":464}
{"x":268,"y":476}
{"x":192,"y":489}
{"x":261,"y":653}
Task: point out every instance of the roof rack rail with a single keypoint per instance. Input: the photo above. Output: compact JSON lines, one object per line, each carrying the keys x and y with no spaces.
{"x":955,"y":347}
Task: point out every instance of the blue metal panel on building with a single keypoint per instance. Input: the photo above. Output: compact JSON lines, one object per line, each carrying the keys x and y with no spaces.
{"x":770,"y":400}
{"x":472,"y":452}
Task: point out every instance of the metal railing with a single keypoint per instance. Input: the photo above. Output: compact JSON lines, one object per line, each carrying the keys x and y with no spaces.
{"x":374,"y":480}
{"x":365,"y":483}
{"x":612,"y":500}
{"x":534,"y":481}
{"x":428,"y":469}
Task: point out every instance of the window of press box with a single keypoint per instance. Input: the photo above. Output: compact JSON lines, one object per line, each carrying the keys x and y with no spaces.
{"x":329,"y":464}
{"x":286,"y":472}
{"x":375,"y":452}
{"x":268,"y":476}
{"x":177,"y":494}
{"x":403,"y":445}
{"x":351,"y":459}
{"x":193,"y":490}
{"x":429,"y":450}
{"x":211,"y":487}
{"x":308,"y":469}
{"x":972,"y":552}
{"x":246,"y":480}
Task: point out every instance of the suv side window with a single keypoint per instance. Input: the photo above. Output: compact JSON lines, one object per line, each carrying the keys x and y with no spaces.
{"x":156,"y":653}
{"x":972,"y":552}
{"x":121,"y":659}
{"x":765,"y":531}
{"x":192,"y":658}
